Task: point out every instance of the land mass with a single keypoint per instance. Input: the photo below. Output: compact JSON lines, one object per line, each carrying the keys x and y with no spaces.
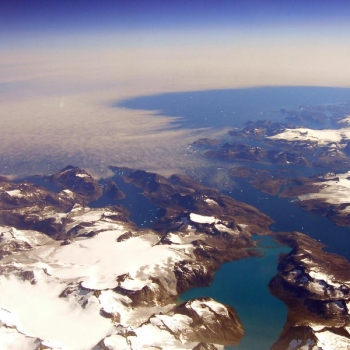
{"x":94,"y":280}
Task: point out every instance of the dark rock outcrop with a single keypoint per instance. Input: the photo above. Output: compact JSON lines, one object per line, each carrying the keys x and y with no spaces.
{"x":112,"y":190}
{"x":78,"y":181}
{"x":181,"y":195}
{"x":212,"y":321}
{"x":316,"y":289}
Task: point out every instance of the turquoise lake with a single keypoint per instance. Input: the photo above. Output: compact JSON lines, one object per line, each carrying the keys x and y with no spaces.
{"x":243,"y":284}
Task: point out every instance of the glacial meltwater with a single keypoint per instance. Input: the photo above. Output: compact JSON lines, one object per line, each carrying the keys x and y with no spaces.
{"x":243,"y":285}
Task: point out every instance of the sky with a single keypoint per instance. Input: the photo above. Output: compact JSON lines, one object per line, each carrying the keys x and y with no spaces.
{"x":63,"y":62}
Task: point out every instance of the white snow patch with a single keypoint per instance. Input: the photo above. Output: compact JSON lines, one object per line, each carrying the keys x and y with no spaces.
{"x":217,"y":307}
{"x":98,"y":261}
{"x":40,"y":313}
{"x":321,"y":137}
{"x":210,"y":201}
{"x":334,"y":191}
{"x":95,"y":216}
{"x":319,"y":275}
{"x":330,"y":341}
{"x":174,"y":238}
{"x":185,"y":238}
{"x":69,"y":193}
{"x":116,"y":342}
{"x":224,"y":228}
{"x":177,"y":323}
{"x":82,"y":175}
{"x":316,"y":327}
{"x":34,"y":238}
{"x":317,"y":286}
{"x":15,"y":193}
{"x":201,"y":219}
{"x":345,"y":120}
{"x":151,"y":336}
{"x":203,"y":309}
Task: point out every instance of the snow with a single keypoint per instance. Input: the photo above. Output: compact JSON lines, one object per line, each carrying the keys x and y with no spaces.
{"x":217,"y":308}
{"x":12,"y":340}
{"x":317,"y":286}
{"x":82,"y":175}
{"x":202,"y":309}
{"x":174,"y":238}
{"x":93,"y":217}
{"x":176,"y":323}
{"x":116,"y":342}
{"x":223,"y":228}
{"x":201,"y":219}
{"x":74,"y":321}
{"x":15,"y":193}
{"x":329,"y":341}
{"x":321,"y":137}
{"x":7,"y":317}
{"x":34,"y":238}
{"x":94,"y":263}
{"x":210,"y":201}
{"x":185,"y":238}
{"x":151,"y":336}
{"x":115,"y":303}
{"x":98,"y":261}
{"x":69,"y":193}
{"x":40,"y":313}
{"x":345,"y":120}
{"x":319,"y":275}
{"x":334,"y":191}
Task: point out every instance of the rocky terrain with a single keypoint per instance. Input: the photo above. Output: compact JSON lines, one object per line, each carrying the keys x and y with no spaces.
{"x":269,"y":142}
{"x":73,"y":276}
{"x":77,"y":277}
{"x":315,"y":286}
{"x":326,"y":194}
{"x":274,"y":157}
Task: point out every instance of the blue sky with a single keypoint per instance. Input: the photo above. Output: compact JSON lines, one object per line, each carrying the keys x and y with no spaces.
{"x":35,"y":19}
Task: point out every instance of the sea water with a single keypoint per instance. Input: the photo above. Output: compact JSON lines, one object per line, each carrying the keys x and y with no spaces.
{"x":243,"y":285}
{"x":234,"y":107}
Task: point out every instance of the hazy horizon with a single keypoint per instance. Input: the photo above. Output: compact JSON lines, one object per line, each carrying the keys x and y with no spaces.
{"x":63,"y":63}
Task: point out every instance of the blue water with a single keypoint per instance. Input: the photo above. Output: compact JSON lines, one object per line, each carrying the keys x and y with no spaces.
{"x":222,"y":108}
{"x":289,"y":217}
{"x":243,"y":284}
{"x":142,"y":211}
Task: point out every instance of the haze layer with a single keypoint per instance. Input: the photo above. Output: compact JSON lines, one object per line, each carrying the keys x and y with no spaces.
{"x":64,"y":64}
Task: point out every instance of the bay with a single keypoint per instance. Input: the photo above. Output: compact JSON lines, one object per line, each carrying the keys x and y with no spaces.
{"x":243,"y":285}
